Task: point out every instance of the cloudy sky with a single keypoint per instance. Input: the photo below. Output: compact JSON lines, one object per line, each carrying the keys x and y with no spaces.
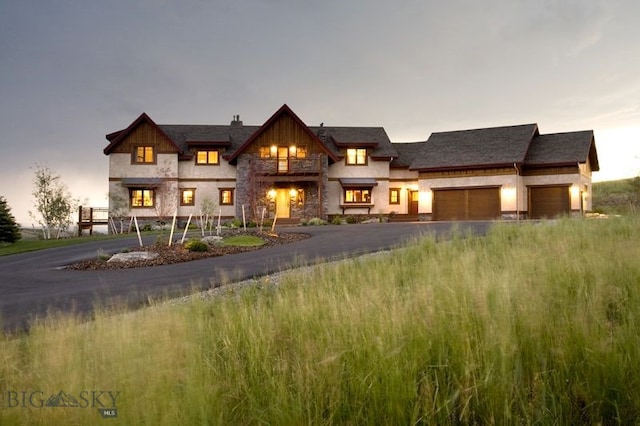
{"x":73,"y":71}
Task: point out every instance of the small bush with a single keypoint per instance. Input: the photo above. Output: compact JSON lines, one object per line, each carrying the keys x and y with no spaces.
{"x":102,"y":255}
{"x":235,"y":223}
{"x":337,"y":220}
{"x":196,"y":245}
{"x":351,"y":219}
{"x":316,"y":221}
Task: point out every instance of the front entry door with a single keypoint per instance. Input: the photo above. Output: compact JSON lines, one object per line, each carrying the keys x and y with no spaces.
{"x":413,"y":202}
{"x":283,"y":203}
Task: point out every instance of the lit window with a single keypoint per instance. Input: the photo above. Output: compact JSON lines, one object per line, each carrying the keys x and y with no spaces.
{"x":226,"y":197}
{"x":265,"y":152}
{"x":298,"y":151}
{"x":356,"y":156}
{"x":283,"y":159}
{"x":394,"y":196}
{"x":208,"y":157}
{"x":142,"y":197}
{"x":357,"y":195}
{"x":187,"y":197}
{"x":144,"y":154}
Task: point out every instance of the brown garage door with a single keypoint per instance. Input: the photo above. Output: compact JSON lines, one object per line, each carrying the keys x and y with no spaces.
{"x":466,"y":204}
{"x":549,"y":201}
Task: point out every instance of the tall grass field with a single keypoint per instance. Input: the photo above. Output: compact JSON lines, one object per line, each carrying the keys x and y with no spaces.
{"x":532,"y":324}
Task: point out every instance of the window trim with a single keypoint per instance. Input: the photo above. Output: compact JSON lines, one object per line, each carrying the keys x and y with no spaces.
{"x":207,"y":163}
{"x":134,"y":155}
{"x":356,"y":163}
{"x":221,"y":198}
{"x":357,"y":189}
{"x":142,"y":198}
{"x":193,"y":196}
{"x":391,"y":191}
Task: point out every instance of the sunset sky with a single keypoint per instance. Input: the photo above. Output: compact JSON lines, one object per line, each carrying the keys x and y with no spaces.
{"x":73,"y":71}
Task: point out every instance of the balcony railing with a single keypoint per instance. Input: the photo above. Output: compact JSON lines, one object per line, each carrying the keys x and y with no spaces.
{"x":291,"y":166}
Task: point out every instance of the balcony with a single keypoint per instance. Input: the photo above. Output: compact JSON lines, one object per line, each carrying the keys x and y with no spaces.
{"x":287,"y":167}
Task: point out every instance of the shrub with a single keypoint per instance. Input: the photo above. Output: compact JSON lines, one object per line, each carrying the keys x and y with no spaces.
{"x":102,"y":255}
{"x":316,"y":221}
{"x":196,"y":245}
{"x":235,"y":223}
{"x":337,"y":220}
{"x":351,"y":219}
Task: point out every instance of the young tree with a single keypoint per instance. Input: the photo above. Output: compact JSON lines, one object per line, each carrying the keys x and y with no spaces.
{"x":166,"y":201}
{"x":54,"y":205}
{"x":9,"y":229}
{"x":208,"y":209}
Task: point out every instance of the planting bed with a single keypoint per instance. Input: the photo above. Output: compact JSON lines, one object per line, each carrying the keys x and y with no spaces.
{"x":176,"y":253}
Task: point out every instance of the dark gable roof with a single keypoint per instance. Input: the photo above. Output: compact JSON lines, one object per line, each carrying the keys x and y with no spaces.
{"x":406,"y":153}
{"x":478,"y":148}
{"x":284,"y":110}
{"x":373,"y":138}
{"x":116,"y":137}
{"x":560,"y":149}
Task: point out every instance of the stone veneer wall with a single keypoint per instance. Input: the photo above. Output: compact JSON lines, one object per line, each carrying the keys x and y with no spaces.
{"x":311,"y":202}
{"x":243,"y":181}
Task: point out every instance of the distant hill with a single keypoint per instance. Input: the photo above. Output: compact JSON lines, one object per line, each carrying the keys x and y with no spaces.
{"x":617,"y":196}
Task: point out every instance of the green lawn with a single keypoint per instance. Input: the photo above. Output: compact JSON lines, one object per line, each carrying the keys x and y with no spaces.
{"x":532,"y":324}
{"x":243,"y":241}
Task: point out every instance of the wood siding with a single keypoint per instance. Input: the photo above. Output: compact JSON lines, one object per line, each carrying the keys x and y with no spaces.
{"x":146,"y":135}
{"x":285,"y":131}
{"x":468,"y":173}
{"x":547,"y":171}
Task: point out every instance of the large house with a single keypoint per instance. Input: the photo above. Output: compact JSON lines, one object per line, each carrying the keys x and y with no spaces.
{"x":288,"y":169}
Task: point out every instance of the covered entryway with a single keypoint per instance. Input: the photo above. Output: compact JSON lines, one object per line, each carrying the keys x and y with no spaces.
{"x":283,"y":203}
{"x":466,"y":204}
{"x":549,"y":201}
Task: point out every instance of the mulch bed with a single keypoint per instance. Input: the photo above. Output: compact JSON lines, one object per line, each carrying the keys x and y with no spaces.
{"x":176,"y":253}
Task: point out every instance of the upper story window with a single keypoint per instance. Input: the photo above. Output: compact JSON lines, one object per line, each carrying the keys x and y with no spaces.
{"x":208,"y":157}
{"x":274,"y":151}
{"x":356,"y":156}
{"x":144,"y":155}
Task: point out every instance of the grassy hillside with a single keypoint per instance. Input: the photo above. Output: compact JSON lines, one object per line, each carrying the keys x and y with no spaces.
{"x":536,"y":323}
{"x":617,"y":197}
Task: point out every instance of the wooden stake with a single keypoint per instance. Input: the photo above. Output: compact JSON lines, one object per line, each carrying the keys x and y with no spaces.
{"x":186,"y":228}
{"x":135,"y":220}
{"x":173,"y":226}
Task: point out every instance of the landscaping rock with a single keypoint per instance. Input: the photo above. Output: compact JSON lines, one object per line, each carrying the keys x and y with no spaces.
{"x":133,"y":256}
{"x":213,"y":240}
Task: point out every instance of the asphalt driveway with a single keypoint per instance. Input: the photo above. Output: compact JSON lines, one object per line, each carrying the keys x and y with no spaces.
{"x":34,"y":284}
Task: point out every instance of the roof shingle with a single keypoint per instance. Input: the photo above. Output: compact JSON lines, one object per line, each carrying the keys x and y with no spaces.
{"x":562,"y":149}
{"x":476,"y":148}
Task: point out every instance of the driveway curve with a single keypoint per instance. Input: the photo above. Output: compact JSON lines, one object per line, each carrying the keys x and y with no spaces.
{"x":35,"y":284}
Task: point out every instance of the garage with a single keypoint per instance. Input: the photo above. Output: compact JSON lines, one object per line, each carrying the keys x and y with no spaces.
{"x":549,"y":201}
{"x":466,"y":204}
